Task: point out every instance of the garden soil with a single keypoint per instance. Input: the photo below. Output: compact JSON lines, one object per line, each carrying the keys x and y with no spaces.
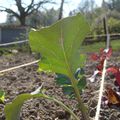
{"x":27,"y":79}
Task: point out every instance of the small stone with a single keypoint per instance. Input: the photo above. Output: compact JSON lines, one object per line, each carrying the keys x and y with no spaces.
{"x":103,"y":118}
{"x":62,"y":115}
{"x":92,"y":112}
{"x":14,"y":51}
{"x":32,"y":117}
{"x":13,"y":78}
{"x":93,"y":104}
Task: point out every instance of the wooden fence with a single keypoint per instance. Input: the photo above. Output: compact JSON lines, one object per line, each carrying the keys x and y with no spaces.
{"x":88,"y":40}
{"x":100,"y":38}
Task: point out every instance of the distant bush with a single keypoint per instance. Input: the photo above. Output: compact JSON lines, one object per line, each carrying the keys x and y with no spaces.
{"x":114,"y":25}
{"x":97,"y":28}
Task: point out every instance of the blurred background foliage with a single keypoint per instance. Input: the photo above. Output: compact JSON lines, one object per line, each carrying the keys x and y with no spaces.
{"x":93,"y":14}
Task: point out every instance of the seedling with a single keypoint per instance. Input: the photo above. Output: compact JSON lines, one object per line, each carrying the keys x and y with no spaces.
{"x":59,"y":46}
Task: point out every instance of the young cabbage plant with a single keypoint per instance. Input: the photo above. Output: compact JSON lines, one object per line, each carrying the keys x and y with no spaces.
{"x":59,"y":46}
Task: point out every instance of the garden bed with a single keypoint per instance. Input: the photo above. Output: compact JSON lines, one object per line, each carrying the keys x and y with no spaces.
{"x":27,"y":79}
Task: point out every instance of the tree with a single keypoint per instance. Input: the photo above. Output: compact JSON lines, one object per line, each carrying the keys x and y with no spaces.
{"x":86,"y":6}
{"x":114,"y":5}
{"x":10,"y":19}
{"x":61,"y":9}
{"x":24,"y":11}
{"x":43,"y":18}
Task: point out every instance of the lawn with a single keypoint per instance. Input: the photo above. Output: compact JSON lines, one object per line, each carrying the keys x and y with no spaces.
{"x":96,"y":46}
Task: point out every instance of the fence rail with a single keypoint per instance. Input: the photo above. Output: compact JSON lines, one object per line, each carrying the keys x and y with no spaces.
{"x":87,"y":40}
{"x":100,"y":38}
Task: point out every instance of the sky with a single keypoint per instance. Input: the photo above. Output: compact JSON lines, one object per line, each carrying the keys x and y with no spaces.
{"x":68,"y":6}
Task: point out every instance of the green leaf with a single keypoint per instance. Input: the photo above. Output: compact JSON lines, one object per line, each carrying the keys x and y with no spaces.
{"x":79,"y":73}
{"x":68,"y":90}
{"x":82,"y":83}
{"x":12,"y":110}
{"x":82,"y":60}
{"x":2,"y":96}
{"x":62,"y":79}
{"x":60,"y":44}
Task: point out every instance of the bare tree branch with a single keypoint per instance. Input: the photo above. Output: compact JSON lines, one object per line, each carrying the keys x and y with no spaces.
{"x":29,"y":6}
{"x":25,"y":11}
{"x":4,"y":9}
{"x":21,"y":9}
{"x":36,"y":6}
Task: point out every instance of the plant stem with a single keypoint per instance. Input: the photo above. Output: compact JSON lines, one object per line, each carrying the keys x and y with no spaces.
{"x":62,"y":105}
{"x":82,"y":108}
{"x":81,"y":105}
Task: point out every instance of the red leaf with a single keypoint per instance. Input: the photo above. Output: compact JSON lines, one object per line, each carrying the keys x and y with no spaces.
{"x":94,"y":57}
{"x":101,"y":50}
{"x":112,"y":96}
{"x":109,"y":53}
{"x":100,"y":65}
{"x":113,"y":70}
{"x":102,"y":55}
{"x":116,"y":72}
{"x":117,"y":76}
{"x":105,"y":53}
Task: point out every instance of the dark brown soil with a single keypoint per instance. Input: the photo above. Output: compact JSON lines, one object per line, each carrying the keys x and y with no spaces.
{"x":27,"y":79}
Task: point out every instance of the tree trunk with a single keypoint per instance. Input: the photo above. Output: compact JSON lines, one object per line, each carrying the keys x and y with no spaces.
{"x":22,"y":20}
{"x":61,"y":10}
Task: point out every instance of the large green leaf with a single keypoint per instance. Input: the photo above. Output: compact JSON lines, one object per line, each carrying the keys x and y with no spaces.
{"x":60,"y":43}
{"x":12,"y":110}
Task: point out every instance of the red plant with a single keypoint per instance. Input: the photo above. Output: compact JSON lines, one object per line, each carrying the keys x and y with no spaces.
{"x":104,"y":53}
{"x":116,"y":72}
{"x":112,"y":98}
{"x":100,"y":58}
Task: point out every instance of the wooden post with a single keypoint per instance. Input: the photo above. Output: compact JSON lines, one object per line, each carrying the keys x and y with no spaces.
{"x":0,"y":35}
{"x":103,"y":73}
{"x":107,"y":44}
{"x":61,"y":10}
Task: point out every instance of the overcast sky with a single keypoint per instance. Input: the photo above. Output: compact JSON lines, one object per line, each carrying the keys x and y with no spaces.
{"x":70,"y":5}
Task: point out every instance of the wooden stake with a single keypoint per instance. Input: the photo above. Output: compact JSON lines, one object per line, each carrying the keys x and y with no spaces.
{"x":103,"y":73}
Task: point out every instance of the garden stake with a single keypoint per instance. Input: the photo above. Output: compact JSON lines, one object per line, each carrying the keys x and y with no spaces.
{"x":19,"y":66}
{"x":103,"y":75}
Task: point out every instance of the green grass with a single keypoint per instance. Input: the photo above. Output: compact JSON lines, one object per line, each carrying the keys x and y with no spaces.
{"x":96,"y":46}
{"x":86,"y":48}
